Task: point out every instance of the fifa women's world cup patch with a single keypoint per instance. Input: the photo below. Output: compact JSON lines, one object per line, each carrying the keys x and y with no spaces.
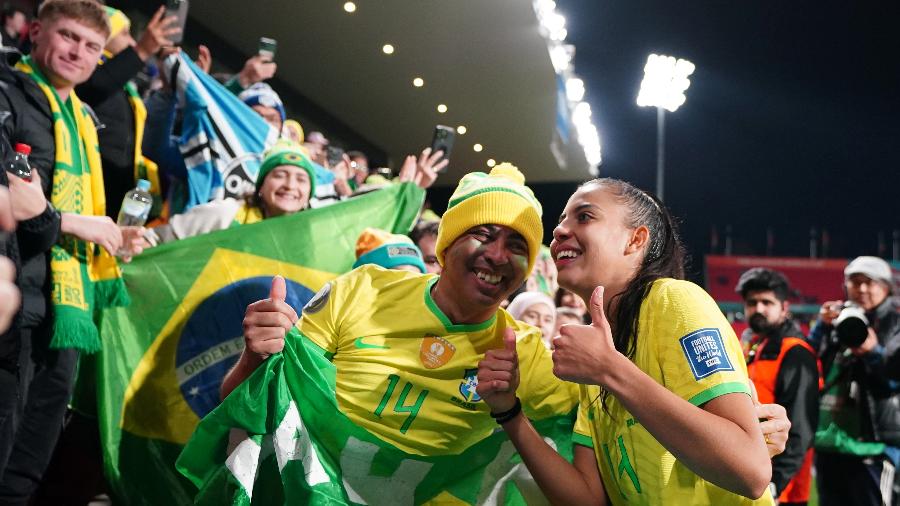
{"x":705,"y":352}
{"x":435,"y":351}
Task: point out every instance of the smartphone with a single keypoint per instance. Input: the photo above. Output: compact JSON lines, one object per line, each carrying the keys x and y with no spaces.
{"x":443,"y":140}
{"x":178,"y":8}
{"x":335,"y":156}
{"x":267,"y":48}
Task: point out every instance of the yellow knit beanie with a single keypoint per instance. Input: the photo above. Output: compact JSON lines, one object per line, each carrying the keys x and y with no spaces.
{"x":118,"y":22}
{"x":498,"y":198}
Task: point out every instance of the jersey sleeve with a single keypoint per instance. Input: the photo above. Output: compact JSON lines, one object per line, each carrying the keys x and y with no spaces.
{"x":699,"y":355}
{"x":541,"y":392}
{"x":320,"y":321}
{"x":581,"y":433}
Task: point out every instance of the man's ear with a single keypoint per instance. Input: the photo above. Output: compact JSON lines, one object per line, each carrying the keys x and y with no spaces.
{"x":640,"y":236}
{"x":34,"y":30}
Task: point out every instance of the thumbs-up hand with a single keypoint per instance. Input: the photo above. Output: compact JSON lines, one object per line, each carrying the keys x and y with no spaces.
{"x":582,"y":352}
{"x":267,"y":321}
{"x":498,"y":375}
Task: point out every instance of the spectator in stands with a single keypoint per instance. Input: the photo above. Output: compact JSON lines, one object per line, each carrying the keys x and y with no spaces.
{"x":391,"y":251}
{"x":784,"y":369}
{"x":564,"y":316}
{"x":425,"y":236}
{"x":285,"y":182}
{"x":858,"y":439}
{"x":263,"y":99}
{"x":68,"y":37}
{"x":565,"y":298}
{"x":359,"y":168}
{"x":317,"y":145}
{"x":14,"y":20}
{"x":535,"y":308}
{"x":118,"y":106}
{"x":160,"y":139}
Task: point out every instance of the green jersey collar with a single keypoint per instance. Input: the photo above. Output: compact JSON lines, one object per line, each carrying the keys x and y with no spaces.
{"x":449,"y":325}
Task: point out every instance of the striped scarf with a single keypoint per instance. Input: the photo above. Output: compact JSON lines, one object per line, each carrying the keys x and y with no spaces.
{"x":84,"y":276}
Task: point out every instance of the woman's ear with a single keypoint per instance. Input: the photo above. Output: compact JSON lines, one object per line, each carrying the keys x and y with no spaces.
{"x":640,"y":236}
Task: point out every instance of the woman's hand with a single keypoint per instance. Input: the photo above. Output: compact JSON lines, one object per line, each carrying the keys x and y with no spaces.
{"x":582,"y":353}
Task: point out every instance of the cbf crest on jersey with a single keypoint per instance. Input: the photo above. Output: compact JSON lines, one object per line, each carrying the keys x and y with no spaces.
{"x":468,"y":386}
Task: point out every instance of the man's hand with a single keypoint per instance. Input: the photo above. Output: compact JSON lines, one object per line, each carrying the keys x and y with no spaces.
{"x":100,"y":230}
{"x":775,"y":426}
{"x":868,"y":345}
{"x":133,"y":242}
{"x":7,"y":220}
{"x":498,"y":375}
{"x":582,"y":351}
{"x":424,"y":170}
{"x":266,"y":322}
{"x":158,"y":34}
{"x":830,"y":310}
{"x":9,"y":293}
{"x":342,"y":173}
{"x":27,"y":197}
{"x":256,"y":69}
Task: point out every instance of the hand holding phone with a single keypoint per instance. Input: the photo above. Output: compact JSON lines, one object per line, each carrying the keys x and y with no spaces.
{"x":443,"y":140}
{"x":179,"y":9}
{"x":335,"y":155}
{"x":267,"y":48}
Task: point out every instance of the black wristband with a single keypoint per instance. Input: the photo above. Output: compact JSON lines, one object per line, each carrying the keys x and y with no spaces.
{"x":508,"y":415}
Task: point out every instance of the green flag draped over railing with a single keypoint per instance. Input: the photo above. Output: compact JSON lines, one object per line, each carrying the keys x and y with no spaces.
{"x":280,"y":438}
{"x":165,"y":355}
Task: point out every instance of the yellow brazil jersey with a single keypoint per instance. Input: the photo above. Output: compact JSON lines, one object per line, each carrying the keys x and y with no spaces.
{"x":686,"y":345}
{"x":407,"y":374}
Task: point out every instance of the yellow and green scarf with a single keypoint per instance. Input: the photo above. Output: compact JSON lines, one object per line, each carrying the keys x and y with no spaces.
{"x":144,"y":168}
{"x":85,"y":277}
{"x":247,"y":214}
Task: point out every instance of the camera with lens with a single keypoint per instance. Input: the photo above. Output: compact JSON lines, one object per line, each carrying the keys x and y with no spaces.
{"x":851,"y":325}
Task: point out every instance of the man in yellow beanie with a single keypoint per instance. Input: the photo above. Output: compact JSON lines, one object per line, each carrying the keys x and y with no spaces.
{"x":429,"y":331}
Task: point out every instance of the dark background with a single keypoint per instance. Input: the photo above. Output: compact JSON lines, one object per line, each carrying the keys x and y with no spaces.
{"x":791,"y":119}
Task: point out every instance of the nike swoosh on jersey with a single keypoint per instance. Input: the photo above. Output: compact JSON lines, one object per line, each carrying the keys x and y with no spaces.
{"x":361,"y":345}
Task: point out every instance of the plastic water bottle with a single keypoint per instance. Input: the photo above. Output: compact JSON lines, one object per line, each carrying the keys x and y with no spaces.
{"x":136,"y":205}
{"x":19,"y":166}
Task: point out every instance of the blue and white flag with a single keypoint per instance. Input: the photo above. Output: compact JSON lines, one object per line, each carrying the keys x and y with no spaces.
{"x":221,"y":137}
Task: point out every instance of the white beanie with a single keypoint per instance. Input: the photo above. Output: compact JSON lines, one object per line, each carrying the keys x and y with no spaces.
{"x":525,"y":300}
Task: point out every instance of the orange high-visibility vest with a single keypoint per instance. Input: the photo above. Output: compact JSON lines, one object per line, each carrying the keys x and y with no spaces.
{"x":764,"y":374}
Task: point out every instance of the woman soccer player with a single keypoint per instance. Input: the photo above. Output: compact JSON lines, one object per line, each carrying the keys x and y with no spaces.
{"x":665,"y":415}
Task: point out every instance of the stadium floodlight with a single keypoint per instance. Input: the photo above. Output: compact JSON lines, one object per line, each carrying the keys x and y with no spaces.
{"x":574,"y":89}
{"x":665,"y":80}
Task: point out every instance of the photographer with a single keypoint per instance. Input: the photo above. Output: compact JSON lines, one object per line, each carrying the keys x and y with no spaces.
{"x":858,"y":439}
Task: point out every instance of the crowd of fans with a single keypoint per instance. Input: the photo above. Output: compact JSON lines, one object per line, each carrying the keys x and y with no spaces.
{"x":72,"y":98}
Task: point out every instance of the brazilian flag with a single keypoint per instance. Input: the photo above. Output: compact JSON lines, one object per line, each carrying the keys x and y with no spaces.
{"x":165,"y":355}
{"x":280,"y":438}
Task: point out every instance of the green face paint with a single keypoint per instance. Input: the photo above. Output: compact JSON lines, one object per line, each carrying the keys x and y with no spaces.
{"x":521,"y":261}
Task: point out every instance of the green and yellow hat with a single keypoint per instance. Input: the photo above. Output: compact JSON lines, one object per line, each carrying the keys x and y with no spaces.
{"x":498,"y":198}
{"x":118,"y":21}
{"x":286,"y":153}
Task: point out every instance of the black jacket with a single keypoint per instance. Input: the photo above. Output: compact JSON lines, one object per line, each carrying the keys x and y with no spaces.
{"x":105,"y":93}
{"x":27,"y":119}
{"x":876,"y":375}
{"x":797,"y":389}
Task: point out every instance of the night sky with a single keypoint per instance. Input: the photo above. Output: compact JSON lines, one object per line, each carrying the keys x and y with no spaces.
{"x":791,"y":120}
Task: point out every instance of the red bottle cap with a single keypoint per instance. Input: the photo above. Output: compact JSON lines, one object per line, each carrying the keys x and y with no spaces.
{"x":25,"y":149}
